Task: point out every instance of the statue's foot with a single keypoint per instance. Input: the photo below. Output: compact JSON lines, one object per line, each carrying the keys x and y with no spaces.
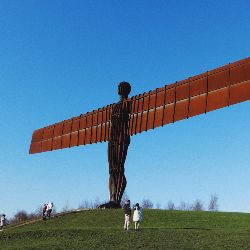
{"x":110,"y":205}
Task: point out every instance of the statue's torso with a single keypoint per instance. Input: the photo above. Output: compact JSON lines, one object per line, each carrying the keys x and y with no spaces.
{"x":119,"y":133}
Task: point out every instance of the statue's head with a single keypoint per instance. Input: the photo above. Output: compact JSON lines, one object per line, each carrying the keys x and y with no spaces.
{"x":124,"y":89}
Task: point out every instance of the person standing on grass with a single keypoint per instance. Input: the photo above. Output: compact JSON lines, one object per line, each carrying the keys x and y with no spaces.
{"x":49,"y":209}
{"x":44,"y":211}
{"x":137,"y":216}
{"x":127,"y":213}
{"x":2,"y":222}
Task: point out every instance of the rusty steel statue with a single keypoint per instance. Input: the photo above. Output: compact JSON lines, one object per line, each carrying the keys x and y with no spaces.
{"x":115,"y":123}
{"x":118,"y":145}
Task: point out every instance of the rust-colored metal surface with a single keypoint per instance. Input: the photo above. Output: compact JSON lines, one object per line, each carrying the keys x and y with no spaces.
{"x":88,"y":128}
{"x":196,"y":95}
{"x":118,"y":146}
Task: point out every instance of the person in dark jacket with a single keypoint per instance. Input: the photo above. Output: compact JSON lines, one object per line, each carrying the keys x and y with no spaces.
{"x":127,"y":213}
{"x":44,"y":211}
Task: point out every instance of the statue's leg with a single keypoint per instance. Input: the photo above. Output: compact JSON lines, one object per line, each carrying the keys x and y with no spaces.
{"x":121,"y":179}
{"x":112,"y":158}
{"x":117,"y":181}
{"x":121,"y":185}
{"x":112,"y":188}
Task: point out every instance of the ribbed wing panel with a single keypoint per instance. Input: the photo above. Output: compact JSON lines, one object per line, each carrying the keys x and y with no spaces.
{"x":196,"y":95}
{"x":85,"y":129}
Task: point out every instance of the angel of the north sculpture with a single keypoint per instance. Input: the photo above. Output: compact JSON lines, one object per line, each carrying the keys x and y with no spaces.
{"x":115,"y":123}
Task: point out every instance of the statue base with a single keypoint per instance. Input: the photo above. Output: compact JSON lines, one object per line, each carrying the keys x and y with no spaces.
{"x":110,"y":205}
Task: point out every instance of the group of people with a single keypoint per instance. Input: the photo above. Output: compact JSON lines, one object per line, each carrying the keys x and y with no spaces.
{"x":137,"y":215}
{"x":47,"y":210}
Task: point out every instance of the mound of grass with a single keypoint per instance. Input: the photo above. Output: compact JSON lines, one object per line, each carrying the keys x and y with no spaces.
{"x":103,"y":229}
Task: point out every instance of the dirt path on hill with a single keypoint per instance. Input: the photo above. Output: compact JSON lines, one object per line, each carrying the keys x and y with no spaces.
{"x":25,"y":223}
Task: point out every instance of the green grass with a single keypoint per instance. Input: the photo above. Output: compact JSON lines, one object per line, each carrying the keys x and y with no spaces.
{"x":103,"y":229}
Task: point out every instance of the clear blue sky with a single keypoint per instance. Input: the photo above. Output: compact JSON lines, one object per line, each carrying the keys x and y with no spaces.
{"x":59,"y":59}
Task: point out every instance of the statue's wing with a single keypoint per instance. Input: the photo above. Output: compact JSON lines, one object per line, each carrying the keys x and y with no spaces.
{"x":196,"y":95}
{"x":88,"y":128}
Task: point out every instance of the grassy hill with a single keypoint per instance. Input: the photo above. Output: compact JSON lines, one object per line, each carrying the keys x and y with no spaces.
{"x":103,"y":229}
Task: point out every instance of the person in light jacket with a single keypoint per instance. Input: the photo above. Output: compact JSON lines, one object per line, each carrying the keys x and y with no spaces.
{"x":2,"y":222}
{"x":137,"y":216}
{"x":49,"y":209}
